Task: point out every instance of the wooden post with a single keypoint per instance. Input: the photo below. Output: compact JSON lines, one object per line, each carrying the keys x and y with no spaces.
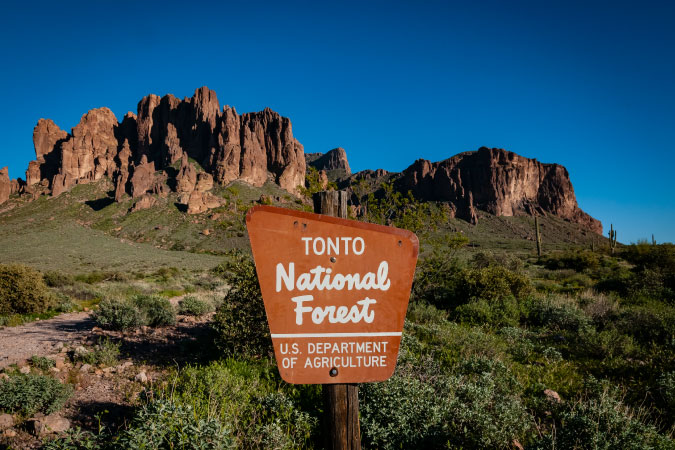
{"x":341,"y":401}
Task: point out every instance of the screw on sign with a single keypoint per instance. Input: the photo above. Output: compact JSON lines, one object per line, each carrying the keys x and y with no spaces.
{"x":335,"y":291}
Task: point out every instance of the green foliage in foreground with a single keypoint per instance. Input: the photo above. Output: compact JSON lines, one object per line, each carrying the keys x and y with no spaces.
{"x":240,"y":321}
{"x":22,"y":290}
{"x":158,"y":425}
{"x":27,"y":394}
{"x":495,"y":352}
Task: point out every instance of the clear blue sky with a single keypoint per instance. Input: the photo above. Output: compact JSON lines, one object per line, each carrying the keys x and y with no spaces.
{"x":590,"y":85}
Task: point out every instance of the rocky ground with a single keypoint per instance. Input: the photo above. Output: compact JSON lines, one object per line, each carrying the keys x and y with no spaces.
{"x":108,"y":393}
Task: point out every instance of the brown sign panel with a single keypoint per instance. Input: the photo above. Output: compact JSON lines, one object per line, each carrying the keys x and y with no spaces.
{"x":336,"y":293}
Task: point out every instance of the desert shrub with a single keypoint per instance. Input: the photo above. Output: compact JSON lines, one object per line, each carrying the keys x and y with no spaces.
{"x":579,"y":260}
{"x":169,"y":425}
{"x":485,"y":409}
{"x":403,"y":412}
{"x":165,"y":274}
{"x":666,"y":390}
{"x":649,"y":323}
{"x":498,"y":312}
{"x":601,"y":309}
{"x":424,"y":313}
{"x":240,"y":321}
{"x":556,"y":313}
{"x":193,"y":306}
{"x":41,"y":362}
{"x":57,"y":279}
{"x":435,"y":280}
{"x":520,"y":343}
{"x":244,"y":395}
{"x":483,"y":259}
{"x":601,"y":421}
{"x":476,"y":406}
{"x":98,"y":276}
{"x":105,"y":353}
{"x":491,"y":283}
{"x":27,"y":394}
{"x":158,"y":311}
{"x":119,"y":315}
{"x":22,"y":290}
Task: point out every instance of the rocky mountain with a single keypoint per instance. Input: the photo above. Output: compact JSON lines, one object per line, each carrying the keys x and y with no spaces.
{"x":333,"y":160}
{"x":252,"y":147}
{"x":498,"y":182}
{"x":188,"y":146}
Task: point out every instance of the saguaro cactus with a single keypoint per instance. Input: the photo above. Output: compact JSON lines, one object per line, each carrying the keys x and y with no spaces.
{"x":538,"y":234}
{"x":653,"y":240}
{"x":612,"y":238}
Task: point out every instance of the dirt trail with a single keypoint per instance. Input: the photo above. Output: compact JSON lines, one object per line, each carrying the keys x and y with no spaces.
{"x":39,"y":338}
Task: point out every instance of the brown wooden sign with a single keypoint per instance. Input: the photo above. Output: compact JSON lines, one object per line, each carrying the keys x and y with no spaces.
{"x":336,"y":293}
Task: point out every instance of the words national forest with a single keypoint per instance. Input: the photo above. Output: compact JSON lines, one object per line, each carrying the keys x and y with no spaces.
{"x":394,"y":226}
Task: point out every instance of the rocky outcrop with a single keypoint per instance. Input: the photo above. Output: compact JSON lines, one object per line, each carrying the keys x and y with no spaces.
{"x":253,"y":147}
{"x":146,"y":201}
{"x":498,"y":182}
{"x":200,"y":202}
{"x":187,"y":176}
{"x":5,"y":185}
{"x":47,"y":138}
{"x":335,"y":159}
{"x":143,"y":177}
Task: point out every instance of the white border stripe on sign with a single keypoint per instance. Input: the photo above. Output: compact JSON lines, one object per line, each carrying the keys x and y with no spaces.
{"x":316,"y":335}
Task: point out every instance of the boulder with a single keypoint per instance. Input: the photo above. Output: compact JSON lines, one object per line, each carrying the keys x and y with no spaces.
{"x":146,"y":201}
{"x":200,"y":202}
{"x":6,"y":421}
{"x":49,"y":424}
{"x":204,"y":182}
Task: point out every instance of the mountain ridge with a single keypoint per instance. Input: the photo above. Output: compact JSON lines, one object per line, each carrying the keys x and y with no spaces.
{"x":149,"y":153}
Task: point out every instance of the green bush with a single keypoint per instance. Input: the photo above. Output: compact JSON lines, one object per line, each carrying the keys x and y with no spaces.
{"x":58,"y":279}
{"x":193,"y":306}
{"x":475,"y":406}
{"x":30,"y":393}
{"x":168,"y":425}
{"x":579,"y":261}
{"x":435,"y":280}
{"x":557,"y":314}
{"x":105,"y":353}
{"x":498,"y":312}
{"x":240,"y":321}
{"x":244,"y":395}
{"x":158,"y":311}
{"x":41,"y":362}
{"x":491,"y":283}
{"x":22,"y":290}
{"x":601,"y":421}
{"x":403,"y":412}
{"x":118,"y":315}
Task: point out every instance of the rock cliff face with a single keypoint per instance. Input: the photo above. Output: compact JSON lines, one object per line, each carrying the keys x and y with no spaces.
{"x":5,"y":185}
{"x":335,"y":159}
{"x":498,"y":182}
{"x":252,"y":147}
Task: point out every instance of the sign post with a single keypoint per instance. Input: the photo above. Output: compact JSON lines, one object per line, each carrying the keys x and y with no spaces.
{"x":336,"y":293}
